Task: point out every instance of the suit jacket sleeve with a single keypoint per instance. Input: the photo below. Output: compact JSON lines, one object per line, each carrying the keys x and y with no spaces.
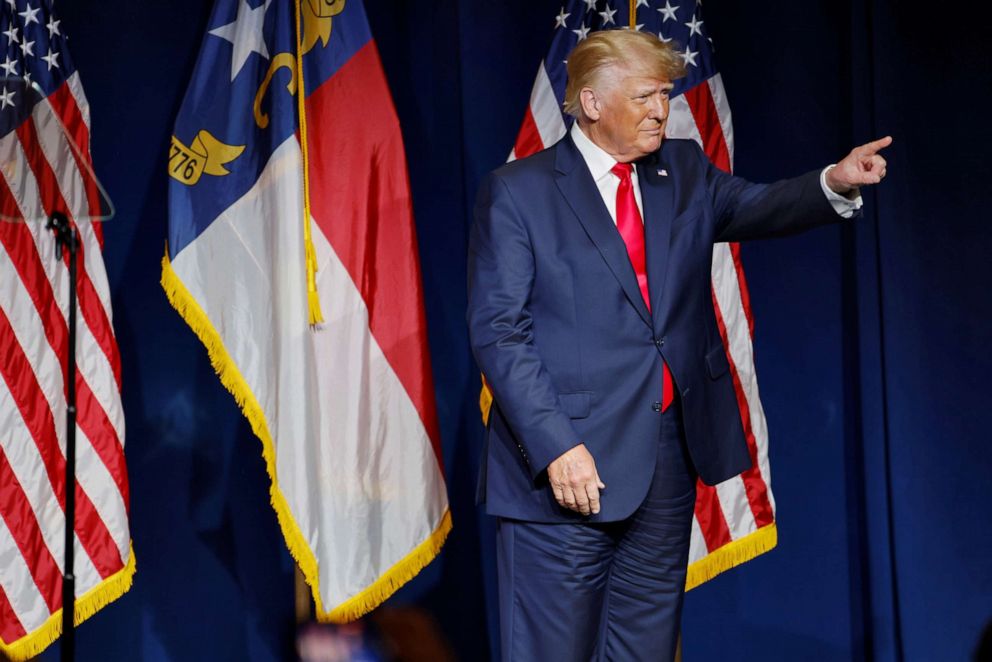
{"x":500,"y":278}
{"x":745,"y":210}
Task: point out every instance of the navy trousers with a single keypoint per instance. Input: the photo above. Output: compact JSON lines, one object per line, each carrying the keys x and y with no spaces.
{"x":613,"y":591}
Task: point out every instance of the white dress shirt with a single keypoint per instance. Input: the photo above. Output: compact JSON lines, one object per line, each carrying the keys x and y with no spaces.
{"x":600,"y":164}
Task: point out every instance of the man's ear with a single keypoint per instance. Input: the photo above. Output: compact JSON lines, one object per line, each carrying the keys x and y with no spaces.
{"x":590,"y":103}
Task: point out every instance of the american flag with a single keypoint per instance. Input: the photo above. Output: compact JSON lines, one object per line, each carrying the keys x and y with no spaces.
{"x":735,"y":520}
{"x":46,"y":167}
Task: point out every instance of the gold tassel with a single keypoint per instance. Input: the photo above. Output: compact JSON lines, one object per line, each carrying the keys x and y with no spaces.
{"x":313,"y":298}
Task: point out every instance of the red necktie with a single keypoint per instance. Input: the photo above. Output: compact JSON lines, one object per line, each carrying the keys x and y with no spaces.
{"x":631,"y":229}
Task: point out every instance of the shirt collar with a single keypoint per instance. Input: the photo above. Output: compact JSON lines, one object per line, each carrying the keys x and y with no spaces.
{"x":597,"y":159}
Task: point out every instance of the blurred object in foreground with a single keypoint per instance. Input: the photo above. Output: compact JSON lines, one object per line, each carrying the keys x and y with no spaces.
{"x":352,"y":642}
{"x":397,"y":634}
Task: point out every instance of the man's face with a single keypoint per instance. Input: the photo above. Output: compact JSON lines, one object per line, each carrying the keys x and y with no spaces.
{"x":633,"y":112}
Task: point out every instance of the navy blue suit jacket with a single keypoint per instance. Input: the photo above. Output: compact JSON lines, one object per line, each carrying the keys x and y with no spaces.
{"x":561,"y":332}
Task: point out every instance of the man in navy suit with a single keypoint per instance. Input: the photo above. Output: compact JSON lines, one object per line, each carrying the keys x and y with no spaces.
{"x":590,"y":313}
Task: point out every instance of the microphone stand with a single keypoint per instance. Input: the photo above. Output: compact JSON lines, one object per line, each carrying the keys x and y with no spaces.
{"x":67,"y":240}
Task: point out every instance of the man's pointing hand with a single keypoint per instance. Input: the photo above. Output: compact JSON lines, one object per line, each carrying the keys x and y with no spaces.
{"x":863,"y":166}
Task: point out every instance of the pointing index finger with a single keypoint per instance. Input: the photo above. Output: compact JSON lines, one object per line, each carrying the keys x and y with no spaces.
{"x":871,"y":148}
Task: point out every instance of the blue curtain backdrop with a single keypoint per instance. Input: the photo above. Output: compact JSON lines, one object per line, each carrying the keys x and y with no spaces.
{"x":872,"y":337}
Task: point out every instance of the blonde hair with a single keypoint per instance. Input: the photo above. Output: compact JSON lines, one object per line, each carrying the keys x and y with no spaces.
{"x":593,"y":57}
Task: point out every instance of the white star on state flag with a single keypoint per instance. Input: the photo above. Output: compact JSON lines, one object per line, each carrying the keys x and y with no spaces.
{"x":668,"y":11}
{"x":608,"y":15}
{"x":694,"y":26}
{"x":560,"y":18}
{"x":29,"y":15}
{"x":245,"y":35}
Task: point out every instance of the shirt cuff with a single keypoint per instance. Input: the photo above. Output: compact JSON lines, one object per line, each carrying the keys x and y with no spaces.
{"x":842,"y":205}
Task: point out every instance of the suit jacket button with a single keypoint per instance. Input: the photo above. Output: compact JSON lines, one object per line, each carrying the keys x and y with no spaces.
{"x":656,"y":406}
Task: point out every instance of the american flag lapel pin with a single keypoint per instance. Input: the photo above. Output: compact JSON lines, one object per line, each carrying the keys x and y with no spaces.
{"x":662,"y":172}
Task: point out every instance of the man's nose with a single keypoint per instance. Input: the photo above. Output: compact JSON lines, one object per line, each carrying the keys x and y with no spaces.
{"x":659,"y":109}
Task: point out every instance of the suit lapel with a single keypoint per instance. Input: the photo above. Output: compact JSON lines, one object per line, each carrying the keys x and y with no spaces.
{"x":657,"y":198}
{"x":580,"y":191}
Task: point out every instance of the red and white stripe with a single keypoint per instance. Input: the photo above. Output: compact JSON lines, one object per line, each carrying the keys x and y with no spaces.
{"x":740,"y":506}
{"x":43,"y":172}
{"x":543,"y":123}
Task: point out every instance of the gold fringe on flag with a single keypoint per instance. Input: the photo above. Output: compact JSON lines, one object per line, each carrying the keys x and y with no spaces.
{"x":232,"y":379}
{"x":87,"y":604}
{"x":485,"y":401}
{"x":732,"y":554}
{"x":402,"y":572}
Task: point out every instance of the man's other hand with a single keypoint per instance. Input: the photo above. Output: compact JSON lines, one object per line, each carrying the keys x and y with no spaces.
{"x":575,"y":482}
{"x":864,"y":165}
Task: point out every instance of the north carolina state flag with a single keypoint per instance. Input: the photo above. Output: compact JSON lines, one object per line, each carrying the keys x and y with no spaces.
{"x":345,"y":408}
